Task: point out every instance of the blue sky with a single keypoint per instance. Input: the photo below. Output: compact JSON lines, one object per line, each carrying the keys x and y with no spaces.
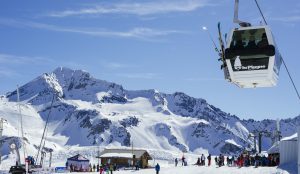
{"x":147,"y":45}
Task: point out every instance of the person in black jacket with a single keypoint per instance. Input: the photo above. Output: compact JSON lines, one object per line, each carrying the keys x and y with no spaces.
{"x":176,"y":162}
{"x":257,"y":158}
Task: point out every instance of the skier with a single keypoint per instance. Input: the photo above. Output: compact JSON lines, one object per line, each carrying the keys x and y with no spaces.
{"x":94,"y":168}
{"x":176,"y":162}
{"x":137,"y":165}
{"x":198,"y":163}
{"x":277,"y":161}
{"x":98,"y":167}
{"x":209,"y":159}
{"x":256,"y":160}
{"x":101,"y":169}
{"x":71,"y":168}
{"x":202,"y":160}
{"x":111,"y":168}
{"x":228,"y":161}
{"x":233,"y":162}
{"x":221,"y":160}
{"x":157,"y":168}
{"x":183,"y":160}
{"x":107,"y":168}
{"x":240,"y":160}
{"x":216,"y":160}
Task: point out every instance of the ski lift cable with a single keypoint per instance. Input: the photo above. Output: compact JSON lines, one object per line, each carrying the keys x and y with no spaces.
{"x":287,"y":70}
{"x":291,"y":78}
{"x":261,"y":13}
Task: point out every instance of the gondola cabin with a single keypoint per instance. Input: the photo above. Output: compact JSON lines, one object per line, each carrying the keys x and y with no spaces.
{"x":252,"y":57}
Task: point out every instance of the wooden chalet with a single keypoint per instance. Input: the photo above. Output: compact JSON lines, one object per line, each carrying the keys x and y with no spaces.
{"x":125,"y":157}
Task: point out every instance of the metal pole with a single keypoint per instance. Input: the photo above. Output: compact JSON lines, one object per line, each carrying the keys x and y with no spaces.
{"x":98,"y":154}
{"x":21,"y":120}
{"x":255,"y":144}
{"x":236,"y":16}
{"x":50,"y":158}
{"x":1,"y":130}
{"x":236,"y":12}
{"x":278,"y":130}
{"x":259,"y":141}
{"x":132,"y":155}
{"x":18,"y":152}
{"x":98,"y":149}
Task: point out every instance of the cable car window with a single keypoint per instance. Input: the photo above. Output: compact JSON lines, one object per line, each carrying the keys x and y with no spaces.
{"x":250,"y":43}
{"x":249,"y":38}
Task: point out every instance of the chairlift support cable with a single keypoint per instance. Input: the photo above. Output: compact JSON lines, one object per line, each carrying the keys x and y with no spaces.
{"x":287,"y":70}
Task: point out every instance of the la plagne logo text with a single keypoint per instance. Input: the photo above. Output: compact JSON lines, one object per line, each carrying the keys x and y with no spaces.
{"x":250,"y":67}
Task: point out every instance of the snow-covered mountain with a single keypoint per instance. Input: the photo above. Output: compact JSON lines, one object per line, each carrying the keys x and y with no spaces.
{"x":87,"y":111}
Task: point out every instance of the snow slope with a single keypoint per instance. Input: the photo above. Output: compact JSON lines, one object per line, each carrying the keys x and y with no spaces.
{"x":87,"y":111}
{"x":209,"y":170}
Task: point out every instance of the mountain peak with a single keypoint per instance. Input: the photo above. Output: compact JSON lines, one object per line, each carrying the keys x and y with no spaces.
{"x":64,"y":73}
{"x":68,"y":84}
{"x":65,"y":70}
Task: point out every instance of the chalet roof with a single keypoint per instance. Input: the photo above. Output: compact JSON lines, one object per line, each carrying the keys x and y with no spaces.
{"x":116,"y":155}
{"x":293,"y":137}
{"x":78,"y":157}
{"x":123,"y":152}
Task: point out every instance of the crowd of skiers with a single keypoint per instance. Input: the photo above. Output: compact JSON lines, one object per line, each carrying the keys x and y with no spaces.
{"x":102,"y":169}
{"x":200,"y":161}
{"x":243,"y":160}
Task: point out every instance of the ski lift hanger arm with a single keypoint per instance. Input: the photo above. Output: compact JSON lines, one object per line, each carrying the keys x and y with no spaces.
{"x":236,"y":16}
{"x":242,"y":23}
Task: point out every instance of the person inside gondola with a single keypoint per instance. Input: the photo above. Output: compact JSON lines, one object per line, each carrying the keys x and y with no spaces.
{"x":264,"y":41}
{"x":239,"y":44}
{"x":251,"y":43}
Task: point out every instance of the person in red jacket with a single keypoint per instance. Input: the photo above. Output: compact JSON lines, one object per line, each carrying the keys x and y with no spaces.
{"x":101,"y":169}
{"x":209,"y":159}
{"x":182,"y":160}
